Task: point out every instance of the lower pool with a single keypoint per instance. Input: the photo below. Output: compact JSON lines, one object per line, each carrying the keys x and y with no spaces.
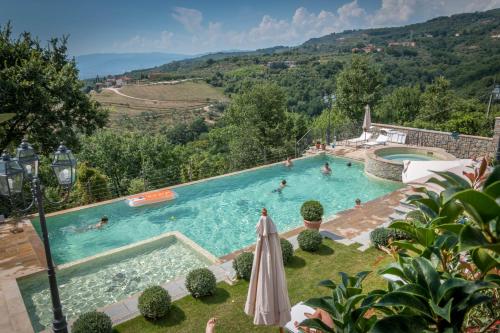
{"x":108,"y":279}
{"x":218,"y":214}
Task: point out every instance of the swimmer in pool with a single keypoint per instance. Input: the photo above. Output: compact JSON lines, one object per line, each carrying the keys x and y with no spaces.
{"x":326,"y":169}
{"x":358,"y":203}
{"x":288,"y":163}
{"x":349,"y":164}
{"x":102,"y":223}
{"x":282,"y":186}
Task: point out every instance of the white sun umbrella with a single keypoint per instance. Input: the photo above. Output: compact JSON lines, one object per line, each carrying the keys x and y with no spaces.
{"x":267,"y":299}
{"x":367,"y":122}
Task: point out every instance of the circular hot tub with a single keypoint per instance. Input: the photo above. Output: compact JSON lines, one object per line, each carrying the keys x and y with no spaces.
{"x":387,"y":162}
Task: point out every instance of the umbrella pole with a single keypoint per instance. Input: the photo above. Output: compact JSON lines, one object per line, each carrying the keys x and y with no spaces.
{"x":282,"y":330}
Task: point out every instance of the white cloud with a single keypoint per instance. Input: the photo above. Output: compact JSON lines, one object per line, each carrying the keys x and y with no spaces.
{"x":205,"y":36}
{"x":141,"y":43}
{"x":191,"y":19}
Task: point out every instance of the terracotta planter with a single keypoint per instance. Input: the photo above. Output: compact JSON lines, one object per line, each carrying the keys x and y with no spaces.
{"x":314,"y":225}
{"x":323,"y":146}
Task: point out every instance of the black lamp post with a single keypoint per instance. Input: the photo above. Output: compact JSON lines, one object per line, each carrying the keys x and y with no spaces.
{"x":13,"y":171}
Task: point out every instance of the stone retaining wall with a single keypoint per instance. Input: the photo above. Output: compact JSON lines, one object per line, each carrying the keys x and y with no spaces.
{"x":463,"y":146}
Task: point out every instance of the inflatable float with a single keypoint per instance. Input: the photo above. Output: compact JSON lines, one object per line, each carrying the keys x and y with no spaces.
{"x":151,"y":198}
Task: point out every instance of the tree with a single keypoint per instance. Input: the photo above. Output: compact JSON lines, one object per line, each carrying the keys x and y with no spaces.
{"x":357,"y":85}
{"x":259,"y":126}
{"x":436,"y":101}
{"x":41,"y":86}
{"x":400,"y":106}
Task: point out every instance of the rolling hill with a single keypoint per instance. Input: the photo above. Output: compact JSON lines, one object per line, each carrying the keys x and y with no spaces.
{"x":102,"y":64}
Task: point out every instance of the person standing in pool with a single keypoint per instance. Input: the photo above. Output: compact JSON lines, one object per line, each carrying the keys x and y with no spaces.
{"x":288,"y":163}
{"x":326,"y":169}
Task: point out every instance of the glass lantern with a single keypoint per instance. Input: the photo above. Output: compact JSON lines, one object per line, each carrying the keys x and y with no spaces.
{"x":11,"y":175}
{"x":64,"y":166}
{"x":28,"y":159}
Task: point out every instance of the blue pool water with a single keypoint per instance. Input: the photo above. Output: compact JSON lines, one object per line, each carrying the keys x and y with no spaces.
{"x":410,"y":157}
{"x":219,"y":214}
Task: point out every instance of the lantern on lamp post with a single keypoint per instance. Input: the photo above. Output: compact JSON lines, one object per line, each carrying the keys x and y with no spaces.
{"x":13,"y":172}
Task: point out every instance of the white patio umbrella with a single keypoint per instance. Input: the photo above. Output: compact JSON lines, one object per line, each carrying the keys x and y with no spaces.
{"x":367,"y":122}
{"x":267,"y":299}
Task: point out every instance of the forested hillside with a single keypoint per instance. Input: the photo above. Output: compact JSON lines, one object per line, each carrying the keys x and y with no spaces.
{"x":463,"y":48}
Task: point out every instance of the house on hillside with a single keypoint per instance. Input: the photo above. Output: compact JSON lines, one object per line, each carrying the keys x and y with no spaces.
{"x":367,"y":49}
{"x":495,"y":35}
{"x":405,"y":44}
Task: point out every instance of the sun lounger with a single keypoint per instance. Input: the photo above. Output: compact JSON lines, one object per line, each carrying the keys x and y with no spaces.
{"x":396,"y":137}
{"x":381,"y":140}
{"x":362,"y":138}
{"x":297,"y":313}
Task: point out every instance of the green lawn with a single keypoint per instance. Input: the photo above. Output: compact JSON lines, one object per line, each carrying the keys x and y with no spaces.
{"x":303,"y":273}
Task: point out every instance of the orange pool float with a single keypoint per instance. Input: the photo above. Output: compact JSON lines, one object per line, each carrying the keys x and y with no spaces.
{"x":151,"y":197}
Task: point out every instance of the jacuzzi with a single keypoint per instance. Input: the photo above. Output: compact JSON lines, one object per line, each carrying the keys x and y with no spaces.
{"x":387,"y":162}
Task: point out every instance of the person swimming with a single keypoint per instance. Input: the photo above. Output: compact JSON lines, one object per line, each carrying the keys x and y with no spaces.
{"x":102,"y":223}
{"x":326,"y":170}
{"x":349,"y":164}
{"x":281,"y":187}
{"x":288,"y":163}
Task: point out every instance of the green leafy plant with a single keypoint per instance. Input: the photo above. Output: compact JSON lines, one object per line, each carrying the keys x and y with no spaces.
{"x":422,"y":300}
{"x":310,"y":240}
{"x":347,"y":306}
{"x":154,"y":303}
{"x":93,"y":322}
{"x":201,"y":282}
{"x":286,"y":250}
{"x":242,"y":264}
{"x":312,"y":210}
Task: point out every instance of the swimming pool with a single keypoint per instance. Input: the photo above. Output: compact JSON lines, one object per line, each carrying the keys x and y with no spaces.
{"x":110,"y":278}
{"x":218,"y":214}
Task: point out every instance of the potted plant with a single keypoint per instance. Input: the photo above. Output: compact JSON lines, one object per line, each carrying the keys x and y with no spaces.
{"x":312,"y":213}
{"x":318,"y":144}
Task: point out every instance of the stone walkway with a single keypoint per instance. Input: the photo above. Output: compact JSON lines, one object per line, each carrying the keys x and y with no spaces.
{"x":20,"y":254}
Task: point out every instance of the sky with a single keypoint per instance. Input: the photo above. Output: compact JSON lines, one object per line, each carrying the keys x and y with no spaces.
{"x":201,"y":26}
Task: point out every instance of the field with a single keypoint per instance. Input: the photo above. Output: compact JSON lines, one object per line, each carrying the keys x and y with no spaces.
{"x":171,"y":103}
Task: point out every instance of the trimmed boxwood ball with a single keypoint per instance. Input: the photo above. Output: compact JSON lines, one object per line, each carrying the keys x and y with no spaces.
{"x":286,"y":250}
{"x":310,"y":240}
{"x":93,"y":322}
{"x":312,"y":210}
{"x":154,"y":303}
{"x":201,"y":282}
{"x":242,"y":264}
{"x":380,"y":236}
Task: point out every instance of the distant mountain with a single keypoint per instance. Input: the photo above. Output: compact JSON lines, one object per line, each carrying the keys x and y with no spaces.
{"x":91,"y":65}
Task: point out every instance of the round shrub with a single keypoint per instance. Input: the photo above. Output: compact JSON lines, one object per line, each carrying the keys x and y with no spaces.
{"x":310,"y":240}
{"x":286,"y":250}
{"x":381,"y":236}
{"x":243,"y":265}
{"x":92,"y":322}
{"x":201,"y":282}
{"x":311,"y":210}
{"x":154,"y":302}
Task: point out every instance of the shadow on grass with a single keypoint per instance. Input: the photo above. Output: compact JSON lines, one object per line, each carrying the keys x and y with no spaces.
{"x":174,"y":317}
{"x":296,"y":262}
{"x":324,"y":250}
{"x":221,"y":295}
